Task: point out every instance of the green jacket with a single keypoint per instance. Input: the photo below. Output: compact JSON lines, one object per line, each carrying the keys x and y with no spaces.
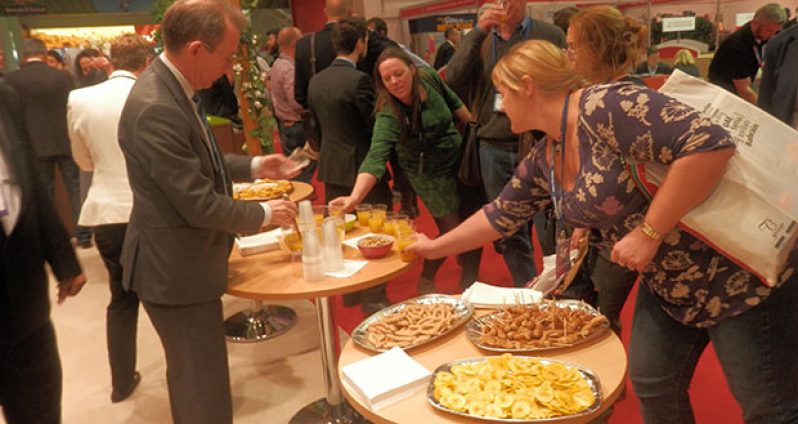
{"x":433,"y":150}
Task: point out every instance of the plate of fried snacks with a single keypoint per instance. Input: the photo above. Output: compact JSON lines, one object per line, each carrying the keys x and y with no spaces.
{"x":262,"y":189}
{"x":514,"y":389}
{"x":411,"y":323}
{"x":551,"y":324}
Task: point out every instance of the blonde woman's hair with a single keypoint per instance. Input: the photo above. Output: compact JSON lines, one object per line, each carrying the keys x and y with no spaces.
{"x":545,"y":63}
{"x":683,"y":57}
{"x":615,"y":40}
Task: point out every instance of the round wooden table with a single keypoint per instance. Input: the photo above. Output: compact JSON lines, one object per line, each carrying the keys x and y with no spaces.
{"x":262,"y":322}
{"x":273,"y":276}
{"x":605,"y":356}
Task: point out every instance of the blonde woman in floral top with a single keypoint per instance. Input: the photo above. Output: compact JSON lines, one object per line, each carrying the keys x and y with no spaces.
{"x":690,"y":294}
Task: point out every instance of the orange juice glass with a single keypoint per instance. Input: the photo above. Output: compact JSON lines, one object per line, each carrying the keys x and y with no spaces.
{"x":402,"y":243}
{"x":388,"y":225}
{"x":363,"y":214}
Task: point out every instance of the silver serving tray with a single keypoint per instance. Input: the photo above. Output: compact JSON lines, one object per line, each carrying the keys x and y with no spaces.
{"x":591,"y":378}
{"x":462,"y":311}
{"x":474,"y":328}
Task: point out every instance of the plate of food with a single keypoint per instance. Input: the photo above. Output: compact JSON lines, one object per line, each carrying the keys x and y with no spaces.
{"x":411,"y":323}
{"x":514,"y":389}
{"x":551,"y":324}
{"x":262,"y":189}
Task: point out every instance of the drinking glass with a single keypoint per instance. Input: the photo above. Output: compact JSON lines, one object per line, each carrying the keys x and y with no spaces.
{"x":403,"y":240}
{"x":291,"y":241}
{"x":363,"y":211}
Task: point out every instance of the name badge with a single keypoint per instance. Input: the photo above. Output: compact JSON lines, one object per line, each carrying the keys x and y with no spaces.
{"x":498,"y":101}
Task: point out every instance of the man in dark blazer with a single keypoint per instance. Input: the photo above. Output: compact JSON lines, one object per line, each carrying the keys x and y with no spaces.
{"x":779,"y":87}
{"x":325,"y":52}
{"x":652,"y":65}
{"x":446,"y":50}
{"x":183,"y":219}
{"x":44,"y":92}
{"x":30,"y":235}
{"x":342,"y":100}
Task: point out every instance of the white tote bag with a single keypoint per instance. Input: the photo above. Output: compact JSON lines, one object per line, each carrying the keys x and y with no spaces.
{"x":751,"y":216}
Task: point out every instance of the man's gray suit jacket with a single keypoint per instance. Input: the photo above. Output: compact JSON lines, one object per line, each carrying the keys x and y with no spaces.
{"x":182,"y":223}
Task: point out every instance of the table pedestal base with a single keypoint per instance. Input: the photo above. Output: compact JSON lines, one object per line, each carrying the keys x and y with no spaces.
{"x":321,"y":412}
{"x":255,"y":325}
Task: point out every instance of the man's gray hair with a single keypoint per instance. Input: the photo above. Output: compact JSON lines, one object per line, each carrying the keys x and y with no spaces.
{"x":203,"y":20}
{"x":33,"y":47}
{"x":771,"y":12}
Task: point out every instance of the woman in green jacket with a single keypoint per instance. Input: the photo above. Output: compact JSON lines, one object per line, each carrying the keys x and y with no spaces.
{"x":414,"y":118}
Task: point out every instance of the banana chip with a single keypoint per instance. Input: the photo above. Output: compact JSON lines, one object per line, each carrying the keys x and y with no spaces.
{"x":263,"y":189}
{"x":513,"y":387}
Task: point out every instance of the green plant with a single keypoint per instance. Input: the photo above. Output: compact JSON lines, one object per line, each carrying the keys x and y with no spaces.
{"x":251,"y":82}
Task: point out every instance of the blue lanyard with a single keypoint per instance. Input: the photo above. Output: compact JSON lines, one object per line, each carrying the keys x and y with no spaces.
{"x":758,"y":56}
{"x":556,"y":192}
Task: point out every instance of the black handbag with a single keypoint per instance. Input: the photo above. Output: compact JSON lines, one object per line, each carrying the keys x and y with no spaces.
{"x":469,"y":172}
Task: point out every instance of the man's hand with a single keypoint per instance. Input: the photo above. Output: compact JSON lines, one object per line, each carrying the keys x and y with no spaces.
{"x":70,"y":287}
{"x":283,"y":212}
{"x":277,"y":167}
{"x":347,"y":203}
{"x":491,"y":18}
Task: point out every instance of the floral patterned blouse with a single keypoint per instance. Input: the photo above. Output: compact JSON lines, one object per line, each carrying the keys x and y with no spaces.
{"x":695,"y":285}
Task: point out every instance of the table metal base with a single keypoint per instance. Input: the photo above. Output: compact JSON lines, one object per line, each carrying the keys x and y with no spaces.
{"x":254,"y":326}
{"x":321,"y":412}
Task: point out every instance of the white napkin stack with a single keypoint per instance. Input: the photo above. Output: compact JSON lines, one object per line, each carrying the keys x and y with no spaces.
{"x":258,"y":243}
{"x":483,"y":295}
{"x":351,"y":268}
{"x":387,"y":378}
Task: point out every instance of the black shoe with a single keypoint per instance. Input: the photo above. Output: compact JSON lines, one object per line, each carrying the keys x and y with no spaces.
{"x":370,"y":308}
{"x":120,"y":396}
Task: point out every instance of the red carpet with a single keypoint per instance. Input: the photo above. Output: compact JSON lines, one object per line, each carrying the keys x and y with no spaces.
{"x":712,"y":400}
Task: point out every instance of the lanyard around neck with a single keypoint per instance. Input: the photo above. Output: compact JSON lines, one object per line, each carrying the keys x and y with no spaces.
{"x":556,"y":191}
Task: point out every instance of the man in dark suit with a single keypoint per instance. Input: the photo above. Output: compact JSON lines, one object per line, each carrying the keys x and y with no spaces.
{"x":446,"y":50}
{"x":30,"y":235}
{"x":325,"y":52}
{"x":652,"y":65}
{"x":44,"y":92}
{"x":183,"y":220}
{"x":779,"y":88}
{"x":342,"y":100}
{"x":496,"y":32}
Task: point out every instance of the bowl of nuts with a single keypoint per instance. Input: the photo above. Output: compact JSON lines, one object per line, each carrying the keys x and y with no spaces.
{"x":375,"y":247}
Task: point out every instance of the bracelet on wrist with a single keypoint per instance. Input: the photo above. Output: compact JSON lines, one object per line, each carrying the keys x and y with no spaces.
{"x":650,"y":232}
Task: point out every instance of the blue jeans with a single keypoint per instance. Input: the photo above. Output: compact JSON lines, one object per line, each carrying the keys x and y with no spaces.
{"x":69,"y":173}
{"x":293,"y":138}
{"x":758,"y":351}
{"x":497,"y":167}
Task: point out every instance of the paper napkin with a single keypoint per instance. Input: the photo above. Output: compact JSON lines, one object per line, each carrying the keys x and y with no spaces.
{"x":387,"y":378}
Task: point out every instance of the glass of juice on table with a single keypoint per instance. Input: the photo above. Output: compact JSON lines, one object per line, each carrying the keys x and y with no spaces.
{"x":378,"y":213}
{"x":291,"y":241}
{"x":387,"y":226}
{"x":403,"y":240}
{"x":363,"y":214}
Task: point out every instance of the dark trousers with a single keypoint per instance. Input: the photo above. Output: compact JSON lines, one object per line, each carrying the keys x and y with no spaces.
{"x":197,"y":371}
{"x":756,"y":349}
{"x":71,"y":176}
{"x":122,"y":313}
{"x":30,"y":379}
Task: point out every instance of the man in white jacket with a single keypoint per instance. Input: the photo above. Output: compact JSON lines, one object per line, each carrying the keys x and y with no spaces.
{"x":92,"y":118}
